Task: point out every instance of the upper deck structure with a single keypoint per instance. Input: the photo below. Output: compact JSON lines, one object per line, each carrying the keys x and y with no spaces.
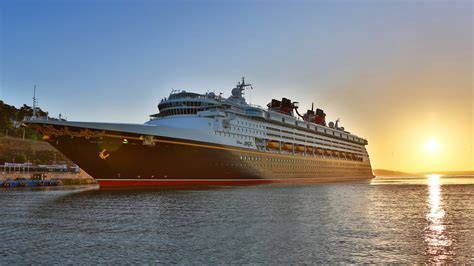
{"x":220,"y":140}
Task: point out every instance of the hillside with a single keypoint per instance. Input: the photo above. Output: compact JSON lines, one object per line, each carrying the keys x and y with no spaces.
{"x":384,"y":172}
{"x":12,"y":145}
{"x":10,"y":121}
{"x":451,"y":172}
{"x":22,"y":151}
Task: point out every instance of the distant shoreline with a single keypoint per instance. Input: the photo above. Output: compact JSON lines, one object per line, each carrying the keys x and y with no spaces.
{"x":384,"y":172}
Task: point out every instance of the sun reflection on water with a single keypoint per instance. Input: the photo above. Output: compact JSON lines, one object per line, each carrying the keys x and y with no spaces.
{"x":439,"y":241}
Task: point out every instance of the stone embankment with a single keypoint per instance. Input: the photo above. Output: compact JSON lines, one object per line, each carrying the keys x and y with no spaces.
{"x":81,"y":178}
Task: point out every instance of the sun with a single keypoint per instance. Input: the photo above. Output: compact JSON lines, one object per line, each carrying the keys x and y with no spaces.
{"x":432,"y":146}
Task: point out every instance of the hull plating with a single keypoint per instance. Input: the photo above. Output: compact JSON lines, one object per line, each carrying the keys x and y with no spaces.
{"x":122,"y":159}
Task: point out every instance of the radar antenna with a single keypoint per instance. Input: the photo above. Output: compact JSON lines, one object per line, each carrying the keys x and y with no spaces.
{"x":240,"y":87}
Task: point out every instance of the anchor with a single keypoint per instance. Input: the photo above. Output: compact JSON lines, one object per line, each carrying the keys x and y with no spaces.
{"x":102,"y":154}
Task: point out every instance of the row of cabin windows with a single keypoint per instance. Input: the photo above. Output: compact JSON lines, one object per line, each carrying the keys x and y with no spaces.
{"x":181,"y":111}
{"x":239,"y":129}
{"x":284,"y":160}
{"x":179,"y":104}
{"x":292,"y":169}
{"x":249,"y":124}
{"x":232,"y":135}
{"x":310,"y":136}
{"x":314,"y":142}
{"x":327,"y":131}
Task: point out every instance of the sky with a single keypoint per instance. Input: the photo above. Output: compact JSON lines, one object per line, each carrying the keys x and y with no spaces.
{"x":398,"y":73}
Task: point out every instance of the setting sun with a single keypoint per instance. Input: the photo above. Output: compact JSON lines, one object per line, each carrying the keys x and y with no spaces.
{"x":432,"y":146}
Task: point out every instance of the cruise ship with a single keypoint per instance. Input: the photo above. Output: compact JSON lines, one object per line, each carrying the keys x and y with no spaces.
{"x":208,"y":139}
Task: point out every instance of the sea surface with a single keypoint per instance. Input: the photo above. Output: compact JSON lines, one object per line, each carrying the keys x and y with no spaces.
{"x":390,"y":219}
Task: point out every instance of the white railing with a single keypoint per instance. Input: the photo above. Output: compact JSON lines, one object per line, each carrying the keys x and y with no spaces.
{"x":31,"y":118}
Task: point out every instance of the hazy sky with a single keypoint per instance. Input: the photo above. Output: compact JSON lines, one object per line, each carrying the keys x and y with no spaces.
{"x":398,"y":73}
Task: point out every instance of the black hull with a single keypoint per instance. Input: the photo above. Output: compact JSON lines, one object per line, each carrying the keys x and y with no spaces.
{"x":121,"y":156}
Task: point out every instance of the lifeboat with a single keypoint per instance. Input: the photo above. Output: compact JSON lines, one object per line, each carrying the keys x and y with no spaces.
{"x":309,"y":149}
{"x":287,"y":146}
{"x":300,"y":148}
{"x":320,"y":151}
{"x":337,"y":153}
{"x":328,"y":152}
{"x":273,"y":144}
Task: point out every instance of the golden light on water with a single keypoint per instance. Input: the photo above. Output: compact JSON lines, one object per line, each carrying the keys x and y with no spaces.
{"x":436,"y":237}
{"x":436,"y":212}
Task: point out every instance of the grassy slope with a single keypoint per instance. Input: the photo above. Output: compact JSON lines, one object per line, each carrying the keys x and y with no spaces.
{"x":24,"y":145}
{"x":31,"y":150}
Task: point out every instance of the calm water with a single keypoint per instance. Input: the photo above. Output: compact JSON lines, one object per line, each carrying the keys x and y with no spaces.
{"x":390,"y":220}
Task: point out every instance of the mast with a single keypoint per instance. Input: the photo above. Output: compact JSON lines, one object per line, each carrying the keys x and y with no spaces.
{"x":237,"y":92}
{"x":34,"y":101}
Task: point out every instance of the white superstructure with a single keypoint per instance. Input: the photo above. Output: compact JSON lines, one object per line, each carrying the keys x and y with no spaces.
{"x":231,"y":121}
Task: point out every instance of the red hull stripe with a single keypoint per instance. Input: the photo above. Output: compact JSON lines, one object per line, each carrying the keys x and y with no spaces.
{"x":212,"y":182}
